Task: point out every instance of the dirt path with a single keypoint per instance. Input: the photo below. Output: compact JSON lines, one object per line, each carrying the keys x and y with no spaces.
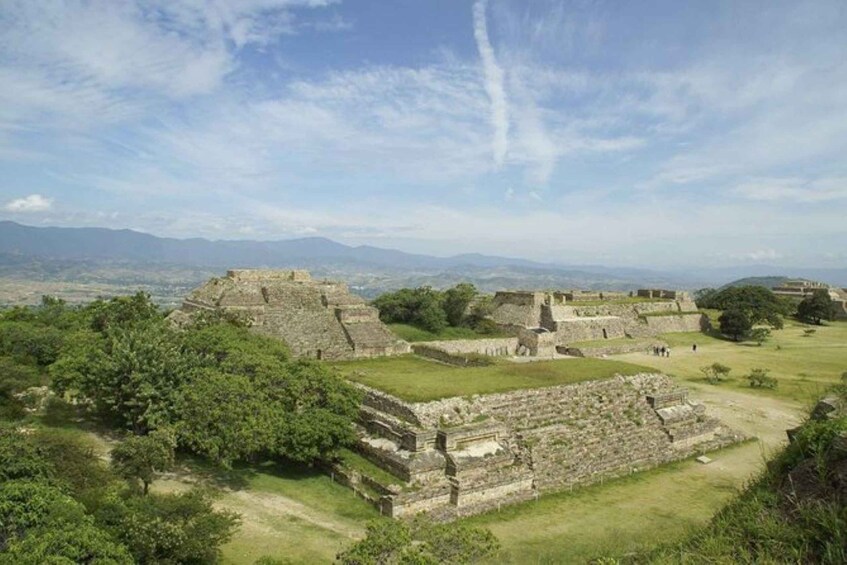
{"x":262,"y":510}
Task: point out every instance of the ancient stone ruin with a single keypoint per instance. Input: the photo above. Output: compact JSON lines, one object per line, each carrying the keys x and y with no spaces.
{"x":547,"y":323}
{"x":461,"y":456}
{"x":318,"y":319}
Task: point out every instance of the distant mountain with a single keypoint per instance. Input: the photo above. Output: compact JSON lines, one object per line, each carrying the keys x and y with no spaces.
{"x":128,"y":259}
{"x":127,"y":246}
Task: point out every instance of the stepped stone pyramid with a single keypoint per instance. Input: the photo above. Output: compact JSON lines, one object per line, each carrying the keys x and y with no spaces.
{"x":316,"y":318}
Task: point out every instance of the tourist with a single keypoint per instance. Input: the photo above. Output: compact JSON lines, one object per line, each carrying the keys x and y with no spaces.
{"x":694,"y":348}
{"x":668,"y":352}
{"x":662,"y":350}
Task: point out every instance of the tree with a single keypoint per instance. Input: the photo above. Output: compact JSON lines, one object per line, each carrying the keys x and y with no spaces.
{"x":421,"y":542}
{"x":169,"y":528}
{"x":129,"y":375}
{"x":14,"y":379}
{"x":316,"y":410}
{"x":735,"y":323}
{"x":422,"y":307}
{"x":815,"y":308}
{"x":760,"y":304}
{"x":139,"y":458}
{"x":456,"y":302}
{"x":760,"y":335}
{"x":225,"y":417}
{"x":759,"y":378}
{"x":20,"y":458}
{"x":122,"y":311}
{"x":27,"y":504}
{"x":716,"y":372}
{"x":80,"y":542}
{"x":705,"y":297}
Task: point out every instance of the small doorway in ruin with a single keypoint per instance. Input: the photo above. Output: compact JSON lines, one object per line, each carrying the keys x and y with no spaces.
{"x":319,"y":354}
{"x":605,"y":335}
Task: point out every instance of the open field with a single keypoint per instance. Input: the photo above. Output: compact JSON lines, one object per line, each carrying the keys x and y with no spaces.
{"x":804,"y":366}
{"x":412,"y":333}
{"x":415,"y":379}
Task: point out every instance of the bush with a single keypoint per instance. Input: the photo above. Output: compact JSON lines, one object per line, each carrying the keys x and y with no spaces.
{"x":758,"y":378}
{"x":716,"y":373}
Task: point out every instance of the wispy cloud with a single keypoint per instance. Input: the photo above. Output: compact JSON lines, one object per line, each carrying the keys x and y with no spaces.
{"x":796,"y":190}
{"x":31,"y":203}
{"x":494,"y":84}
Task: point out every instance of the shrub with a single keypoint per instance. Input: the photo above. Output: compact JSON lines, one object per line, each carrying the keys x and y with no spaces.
{"x":758,"y":378}
{"x":716,"y":373}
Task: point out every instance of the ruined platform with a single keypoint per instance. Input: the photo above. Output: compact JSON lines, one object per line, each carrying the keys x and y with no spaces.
{"x":464,"y":455}
{"x":318,"y":319}
{"x":547,"y":323}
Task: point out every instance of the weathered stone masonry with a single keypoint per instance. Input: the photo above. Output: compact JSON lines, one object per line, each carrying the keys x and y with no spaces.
{"x":461,"y":456}
{"x":319,"y":319}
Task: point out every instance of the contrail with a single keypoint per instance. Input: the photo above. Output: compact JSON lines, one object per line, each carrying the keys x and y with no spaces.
{"x":493,"y":84}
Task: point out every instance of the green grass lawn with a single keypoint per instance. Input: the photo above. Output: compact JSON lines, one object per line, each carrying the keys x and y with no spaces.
{"x":413,"y":333}
{"x":419,"y":380}
{"x":619,"y":516}
{"x":804,"y":366}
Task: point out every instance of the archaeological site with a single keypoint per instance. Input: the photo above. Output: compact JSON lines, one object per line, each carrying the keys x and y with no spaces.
{"x":467,"y":454}
{"x":318,"y":319}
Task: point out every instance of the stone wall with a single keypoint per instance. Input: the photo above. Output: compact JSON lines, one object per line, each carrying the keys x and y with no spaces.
{"x":489,"y":346}
{"x":499,"y":448}
{"x":629,"y":346}
{"x":691,"y":322}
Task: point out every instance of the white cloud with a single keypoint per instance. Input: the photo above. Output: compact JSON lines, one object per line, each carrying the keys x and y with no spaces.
{"x":31,"y":203}
{"x":494,"y":84}
{"x":794,"y":189}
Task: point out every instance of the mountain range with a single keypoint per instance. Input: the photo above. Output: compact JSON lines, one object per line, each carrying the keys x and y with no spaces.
{"x":125,"y":256}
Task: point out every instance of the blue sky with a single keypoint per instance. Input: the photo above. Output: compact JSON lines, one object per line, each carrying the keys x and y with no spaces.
{"x":655,"y":134}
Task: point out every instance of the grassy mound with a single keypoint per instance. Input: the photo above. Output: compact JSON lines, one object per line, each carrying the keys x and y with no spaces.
{"x":415,"y":379}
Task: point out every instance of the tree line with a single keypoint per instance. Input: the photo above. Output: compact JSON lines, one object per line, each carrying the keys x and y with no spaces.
{"x":212,"y":388}
{"x":745,"y":307}
{"x":434,"y":310}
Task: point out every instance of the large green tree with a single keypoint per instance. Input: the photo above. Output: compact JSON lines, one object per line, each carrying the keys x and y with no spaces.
{"x":760,"y":304}
{"x":168,"y":529}
{"x":735,"y":322}
{"x":815,"y":308}
{"x":129,"y":375}
{"x":456,"y":303}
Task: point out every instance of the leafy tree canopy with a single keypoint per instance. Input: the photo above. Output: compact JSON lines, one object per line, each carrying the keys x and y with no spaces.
{"x":759,"y":304}
{"x":139,"y":458}
{"x":815,"y":308}
{"x":421,"y":542}
{"x":431,"y":309}
{"x":735,"y":322}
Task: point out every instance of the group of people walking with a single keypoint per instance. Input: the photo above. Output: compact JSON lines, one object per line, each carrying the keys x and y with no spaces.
{"x":661,"y":351}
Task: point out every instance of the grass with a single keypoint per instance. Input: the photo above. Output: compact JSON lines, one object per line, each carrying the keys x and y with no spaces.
{"x":356,"y":462}
{"x":415,"y":379}
{"x":804,"y":366}
{"x":413,"y":333}
{"x":289,"y":512}
{"x":619,"y":516}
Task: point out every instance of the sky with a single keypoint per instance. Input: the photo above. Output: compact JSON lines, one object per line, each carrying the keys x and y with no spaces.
{"x":654,"y":134}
